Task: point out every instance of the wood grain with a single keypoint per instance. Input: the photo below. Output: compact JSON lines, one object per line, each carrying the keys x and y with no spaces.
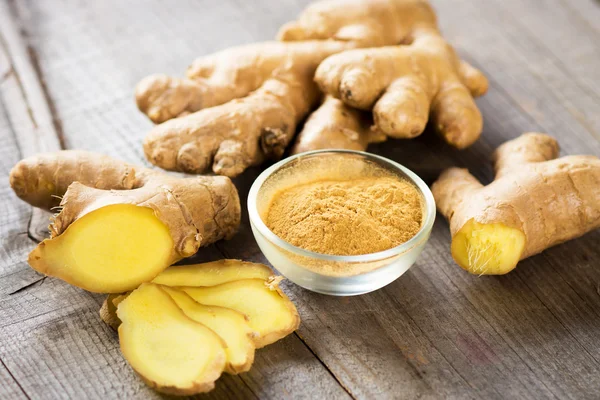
{"x":67,"y":70}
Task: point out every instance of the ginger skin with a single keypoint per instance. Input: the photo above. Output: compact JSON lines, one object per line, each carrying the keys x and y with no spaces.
{"x":536,"y":201}
{"x":108,"y":206}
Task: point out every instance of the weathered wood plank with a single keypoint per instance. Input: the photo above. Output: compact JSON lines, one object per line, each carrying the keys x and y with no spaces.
{"x":437,"y":332}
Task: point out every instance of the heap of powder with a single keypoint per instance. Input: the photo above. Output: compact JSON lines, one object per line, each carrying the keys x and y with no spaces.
{"x":352,"y":217}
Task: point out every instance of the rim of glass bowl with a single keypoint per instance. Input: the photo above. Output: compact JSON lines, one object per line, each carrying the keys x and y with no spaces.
{"x":265,"y":231}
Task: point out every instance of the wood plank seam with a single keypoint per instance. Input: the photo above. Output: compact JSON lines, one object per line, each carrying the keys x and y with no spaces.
{"x":325,"y":365}
{"x":15,"y":380}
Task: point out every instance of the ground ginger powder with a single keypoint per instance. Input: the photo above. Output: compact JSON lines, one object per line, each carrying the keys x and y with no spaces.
{"x":347,"y":217}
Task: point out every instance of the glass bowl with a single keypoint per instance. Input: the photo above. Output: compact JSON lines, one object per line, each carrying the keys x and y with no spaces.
{"x":333,"y":274}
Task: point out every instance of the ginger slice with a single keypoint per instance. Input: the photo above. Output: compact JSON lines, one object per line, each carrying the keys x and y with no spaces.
{"x":272,"y":315}
{"x":230,"y":325}
{"x":212,"y":273}
{"x":120,"y":225}
{"x":103,"y":250}
{"x":170,"y":351}
{"x":536,"y":201}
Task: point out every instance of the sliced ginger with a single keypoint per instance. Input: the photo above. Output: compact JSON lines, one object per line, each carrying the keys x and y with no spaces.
{"x":230,"y":325}
{"x":535,"y":202}
{"x":170,"y":351}
{"x":212,"y":273}
{"x":272,"y":315}
{"x":111,"y":241}
{"x":103,"y":250}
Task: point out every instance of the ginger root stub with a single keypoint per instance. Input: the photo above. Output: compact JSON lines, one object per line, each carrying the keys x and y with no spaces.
{"x":120,"y":225}
{"x":535,"y":202}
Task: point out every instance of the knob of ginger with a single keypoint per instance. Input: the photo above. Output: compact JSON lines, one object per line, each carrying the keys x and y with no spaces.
{"x":536,"y":201}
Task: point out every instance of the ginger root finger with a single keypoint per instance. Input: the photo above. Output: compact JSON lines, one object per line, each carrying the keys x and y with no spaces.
{"x":233,"y":136}
{"x":221,"y":77}
{"x":230,"y":325}
{"x":171,"y":352}
{"x":334,"y":125}
{"x":402,"y":83}
{"x":272,"y":315}
{"x":42,"y":180}
{"x":212,"y":273}
{"x":371,"y":23}
{"x":534,"y":203}
{"x":97,"y":241}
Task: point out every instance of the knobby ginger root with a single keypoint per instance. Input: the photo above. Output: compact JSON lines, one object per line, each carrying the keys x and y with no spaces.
{"x":404,"y":83}
{"x":536,"y":201}
{"x":250,"y":100}
{"x":241,"y":105}
{"x":171,"y":352}
{"x":120,"y":225}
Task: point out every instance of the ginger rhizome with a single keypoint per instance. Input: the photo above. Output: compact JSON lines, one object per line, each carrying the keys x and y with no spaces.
{"x":120,"y":225}
{"x":240,"y":106}
{"x":536,"y":201}
{"x":243,"y":307}
{"x":402,"y":84}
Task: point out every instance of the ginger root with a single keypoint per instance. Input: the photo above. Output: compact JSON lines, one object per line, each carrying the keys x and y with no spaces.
{"x":335,"y":125}
{"x":120,"y":225}
{"x":241,"y":106}
{"x":170,"y":351}
{"x":536,"y":201}
{"x":402,"y":84}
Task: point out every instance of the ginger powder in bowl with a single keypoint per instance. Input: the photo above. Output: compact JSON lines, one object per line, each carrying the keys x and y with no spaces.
{"x":340,"y":222}
{"x":353,"y":216}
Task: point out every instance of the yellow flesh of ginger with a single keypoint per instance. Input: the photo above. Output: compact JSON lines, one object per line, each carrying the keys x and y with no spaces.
{"x":213,"y":273}
{"x":110,"y":250}
{"x":271,"y":315}
{"x":230,"y":325}
{"x":487,"y":249}
{"x":172,"y":352}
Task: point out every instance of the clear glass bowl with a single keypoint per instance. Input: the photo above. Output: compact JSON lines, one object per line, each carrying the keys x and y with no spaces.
{"x":331,"y":274}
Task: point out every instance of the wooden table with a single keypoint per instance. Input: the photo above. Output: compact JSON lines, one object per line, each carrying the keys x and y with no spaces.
{"x":67,"y":72}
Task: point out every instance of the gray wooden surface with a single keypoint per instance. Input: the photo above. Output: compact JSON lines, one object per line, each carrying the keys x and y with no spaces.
{"x":67,"y":70}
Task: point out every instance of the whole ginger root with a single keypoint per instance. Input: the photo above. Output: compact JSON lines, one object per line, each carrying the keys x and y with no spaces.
{"x":120,"y":225}
{"x":402,"y":84}
{"x":536,"y":201}
{"x":240,"y":106}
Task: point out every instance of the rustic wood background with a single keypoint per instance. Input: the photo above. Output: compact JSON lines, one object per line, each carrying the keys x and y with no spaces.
{"x":67,"y":72}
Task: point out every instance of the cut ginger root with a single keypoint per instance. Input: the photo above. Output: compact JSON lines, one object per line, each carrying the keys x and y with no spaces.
{"x":119,"y":225}
{"x":240,"y":106}
{"x":271,"y":314}
{"x":535,"y":202}
{"x":230,"y":325}
{"x":212,"y":273}
{"x":170,"y":351}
